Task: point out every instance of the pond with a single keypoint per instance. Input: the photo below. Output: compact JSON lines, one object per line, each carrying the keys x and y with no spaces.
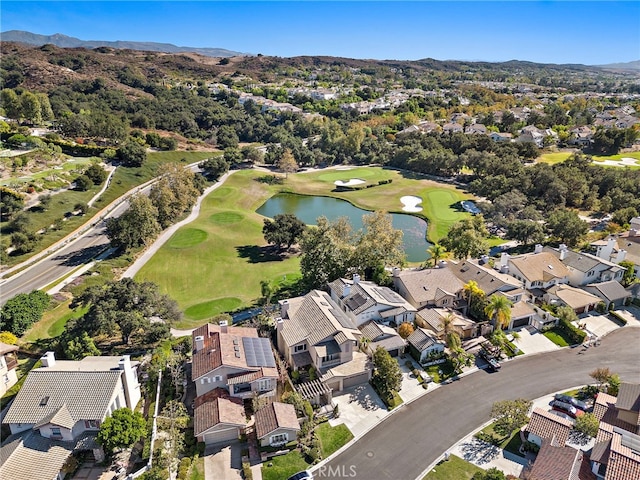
{"x":308,"y":208}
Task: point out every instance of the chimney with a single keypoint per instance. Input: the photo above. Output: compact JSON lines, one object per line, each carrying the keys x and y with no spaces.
{"x":607,"y":251}
{"x":130,"y":382}
{"x":396,"y":271}
{"x":224,"y":326}
{"x":356,"y":278}
{"x":633,"y":232}
{"x":279,"y":323}
{"x":538,"y":248}
{"x":442,"y":263}
{"x":284,"y":308}
{"x":48,"y":359}
{"x":484,"y":259}
{"x":199,"y":343}
{"x":622,"y":254}
{"x":346,"y":291}
{"x":563,"y":251}
{"x":504,"y":259}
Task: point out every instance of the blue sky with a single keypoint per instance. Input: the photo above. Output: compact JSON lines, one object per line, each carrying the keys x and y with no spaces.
{"x":540,"y":31}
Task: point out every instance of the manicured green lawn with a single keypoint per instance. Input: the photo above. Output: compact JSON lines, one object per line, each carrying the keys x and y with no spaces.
{"x":510,"y":442}
{"x":52,"y":322}
{"x":557,"y":337}
{"x":283,"y":466}
{"x":196,"y":472}
{"x":216,"y":263}
{"x":453,"y":469}
{"x":553,"y":158}
{"x":332,"y":438}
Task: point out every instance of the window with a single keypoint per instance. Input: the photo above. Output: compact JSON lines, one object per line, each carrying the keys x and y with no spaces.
{"x":264,"y":385}
{"x":279,"y":439}
{"x":328,"y":358}
{"x":55,"y":432}
{"x":205,"y":380}
{"x":217,"y":378}
{"x":300,"y":348}
{"x":91,"y":424}
{"x":5,"y":378}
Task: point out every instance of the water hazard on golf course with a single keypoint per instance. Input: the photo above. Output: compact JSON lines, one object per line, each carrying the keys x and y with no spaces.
{"x":308,"y":208}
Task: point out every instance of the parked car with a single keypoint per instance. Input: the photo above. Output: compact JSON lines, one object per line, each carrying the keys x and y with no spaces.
{"x":304,"y":475}
{"x":562,"y":415}
{"x":494,"y":365}
{"x":567,"y":408}
{"x":572,"y":401}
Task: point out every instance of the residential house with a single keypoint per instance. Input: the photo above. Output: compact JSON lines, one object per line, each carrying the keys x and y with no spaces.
{"x":378,"y":335}
{"x":59,"y":410}
{"x":452,"y":128}
{"x":537,"y":270}
{"x":580,"y":136}
{"x":489,"y":280}
{"x":218,"y":417}
{"x":616,"y":453}
{"x":501,"y":136}
{"x":423,"y":344}
{"x":545,"y":425}
{"x":314,"y":331}
{"x":585,"y":268}
{"x":363,"y":301}
{"x":559,"y":462}
{"x":8,"y":364}
{"x":436,"y":287}
{"x":625,"y":246}
{"x":432,"y":319}
{"x":531,"y":136}
{"x":276,"y":424}
{"x":475,"y":129}
{"x":233,"y":358}
{"x":579,"y":300}
{"x":612,"y":293}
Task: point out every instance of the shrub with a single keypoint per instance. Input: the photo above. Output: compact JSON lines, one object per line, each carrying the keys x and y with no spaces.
{"x":183,"y":469}
{"x":246,"y":471}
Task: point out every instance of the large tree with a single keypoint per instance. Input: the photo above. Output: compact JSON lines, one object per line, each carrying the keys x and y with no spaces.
{"x":132,"y":154}
{"x":11,"y":202}
{"x":122,"y":429}
{"x":214,"y":167}
{"x":567,"y":226}
{"x":387,"y":376}
{"x":126,"y":307}
{"x":510,"y":415}
{"x":284,"y":230}
{"x":287,"y":163}
{"x":467,"y":238}
{"x":22,"y":311}
{"x":377,"y":244}
{"x":137,"y":226}
{"x":174,"y":193}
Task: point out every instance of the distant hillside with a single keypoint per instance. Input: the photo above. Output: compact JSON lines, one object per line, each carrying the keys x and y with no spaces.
{"x":65,"y":41}
{"x":631,"y":66}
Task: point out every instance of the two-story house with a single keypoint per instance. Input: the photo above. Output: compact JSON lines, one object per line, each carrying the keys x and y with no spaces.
{"x":60,"y":408}
{"x":313,"y":331}
{"x":429,"y":287}
{"x":537,"y":270}
{"x":585,"y":268}
{"x":8,"y":364}
{"x":364,"y":301}
{"x":233,"y":358}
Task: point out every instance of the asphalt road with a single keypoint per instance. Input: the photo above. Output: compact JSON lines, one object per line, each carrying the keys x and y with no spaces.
{"x":63,"y":261}
{"x":407,"y":442}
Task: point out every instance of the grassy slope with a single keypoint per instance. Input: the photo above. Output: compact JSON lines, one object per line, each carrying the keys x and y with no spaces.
{"x":454,"y":468}
{"x":219,"y":267}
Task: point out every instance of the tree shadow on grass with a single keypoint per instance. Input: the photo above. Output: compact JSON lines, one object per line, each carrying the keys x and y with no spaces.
{"x":257,"y":254}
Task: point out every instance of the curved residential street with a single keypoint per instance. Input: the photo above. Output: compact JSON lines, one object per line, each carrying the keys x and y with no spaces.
{"x":409,"y":441}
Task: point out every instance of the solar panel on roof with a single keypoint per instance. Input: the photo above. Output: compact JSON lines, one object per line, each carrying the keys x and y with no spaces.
{"x":389,"y":295}
{"x":628,"y":439}
{"x":355,"y":301}
{"x":258,"y":352}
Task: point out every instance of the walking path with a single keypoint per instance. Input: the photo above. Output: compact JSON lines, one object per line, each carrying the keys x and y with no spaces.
{"x":166,"y":235}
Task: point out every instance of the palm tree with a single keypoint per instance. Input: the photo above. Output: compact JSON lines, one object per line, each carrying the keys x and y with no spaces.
{"x":447,"y":324}
{"x":267,"y":289}
{"x":499,"y":310}
{"x":437,"y":252}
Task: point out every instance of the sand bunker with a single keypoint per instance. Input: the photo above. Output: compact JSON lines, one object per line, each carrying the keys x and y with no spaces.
{"x":623,"y":162}
{"x":350,"y":183}
{"x":410,"y":203}
{"x":344,"y":168}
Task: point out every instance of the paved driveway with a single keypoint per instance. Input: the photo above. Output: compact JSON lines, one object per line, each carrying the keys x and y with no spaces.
{"x":532,"y":341}
{"x":223,"y":462}
{"x":360,"y":408}
{"x":598,"y":325}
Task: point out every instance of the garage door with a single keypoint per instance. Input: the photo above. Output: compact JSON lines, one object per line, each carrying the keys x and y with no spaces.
{"x":356,"y":380}
{"x":394,"y":352}
{"x":521,"y":322}
{"x":219,"y":436}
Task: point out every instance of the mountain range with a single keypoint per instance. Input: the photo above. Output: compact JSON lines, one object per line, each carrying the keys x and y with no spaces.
{"x":65,"y":41}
